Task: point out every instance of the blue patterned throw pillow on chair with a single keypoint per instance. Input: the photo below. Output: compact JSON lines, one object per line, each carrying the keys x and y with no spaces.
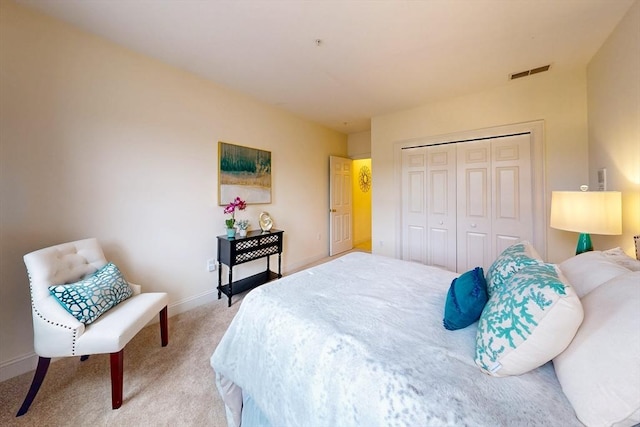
{"x":465,"y":300}
{"x":92,"y":296}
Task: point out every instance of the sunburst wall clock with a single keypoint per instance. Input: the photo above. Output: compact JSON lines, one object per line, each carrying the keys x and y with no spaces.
{"x":365,"y":179}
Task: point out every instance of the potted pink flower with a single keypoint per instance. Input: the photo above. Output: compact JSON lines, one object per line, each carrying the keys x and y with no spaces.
{"x":236,"y":204}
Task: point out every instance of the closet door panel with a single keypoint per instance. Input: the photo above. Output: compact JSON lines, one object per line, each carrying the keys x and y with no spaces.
{"x":416,"y":244}
{"x":512,"y":200}
{"x":439,"y":247}
{"x":477,"y":192}
{"x":474,"y":174}
{"x":414,"y":205}
{"x":503,"y":242}
{"x":441,"y":206}
{"x":477,"y":251}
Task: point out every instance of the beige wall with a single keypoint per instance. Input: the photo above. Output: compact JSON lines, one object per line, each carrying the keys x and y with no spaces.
{"x":359,"y":145}
{"x":99,"y":141}
{"x":613,"y":78}
{"x":557,"y":99}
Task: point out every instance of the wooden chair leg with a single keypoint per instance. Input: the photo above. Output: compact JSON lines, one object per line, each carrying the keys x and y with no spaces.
{"x":117,"y":366}
{"x":38,"y":377}
{"x":164,"y":327}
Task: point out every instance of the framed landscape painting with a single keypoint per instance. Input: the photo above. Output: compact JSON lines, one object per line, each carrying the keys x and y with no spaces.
{"x":243,"y":172}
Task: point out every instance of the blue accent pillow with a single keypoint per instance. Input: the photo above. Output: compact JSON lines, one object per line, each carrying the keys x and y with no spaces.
{"x":92,"y":296}
{"x":466,"y":298}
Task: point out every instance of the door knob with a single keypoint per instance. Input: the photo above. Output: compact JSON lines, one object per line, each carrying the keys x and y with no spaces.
{"x":333,"y":210}
{"x":473,"y":226}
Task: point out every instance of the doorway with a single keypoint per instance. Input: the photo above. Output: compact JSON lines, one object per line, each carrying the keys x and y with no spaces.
{"x":361,"y":190}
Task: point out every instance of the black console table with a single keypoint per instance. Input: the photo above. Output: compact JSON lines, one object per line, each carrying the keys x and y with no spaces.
{"x":237,"y":250}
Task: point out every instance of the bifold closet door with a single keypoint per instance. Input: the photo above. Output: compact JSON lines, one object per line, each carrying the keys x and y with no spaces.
{"x":429,"y":205}
{"x":463,"y":203}
{"x":441,"y":206}
{"x":414,"y":204}
{"x":494,"y":189}
{"x":474,"y":205}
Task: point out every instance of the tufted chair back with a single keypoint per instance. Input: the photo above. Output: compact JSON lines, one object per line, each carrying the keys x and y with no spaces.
{"x":57,"y":333}
{"x":54,"y":328}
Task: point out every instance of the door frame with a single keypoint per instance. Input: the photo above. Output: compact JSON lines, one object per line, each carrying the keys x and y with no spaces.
{"x":535,"y":128}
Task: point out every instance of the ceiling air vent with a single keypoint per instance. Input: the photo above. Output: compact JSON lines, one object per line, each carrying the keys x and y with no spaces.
{"x":529,"y":72}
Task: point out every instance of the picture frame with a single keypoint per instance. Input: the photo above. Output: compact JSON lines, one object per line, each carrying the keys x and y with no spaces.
{"x":243,"y":172}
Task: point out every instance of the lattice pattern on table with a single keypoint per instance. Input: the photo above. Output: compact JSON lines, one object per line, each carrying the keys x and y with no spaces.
{"x":246,"y":244}
{"x":248,"y":256}
{"x":266,"y":240}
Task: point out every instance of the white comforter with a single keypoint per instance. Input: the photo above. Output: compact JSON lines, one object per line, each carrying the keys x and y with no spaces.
{"x":359,"y":341}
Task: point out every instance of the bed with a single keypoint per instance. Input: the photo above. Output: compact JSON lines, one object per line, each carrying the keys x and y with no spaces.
{"x":359,"y":341}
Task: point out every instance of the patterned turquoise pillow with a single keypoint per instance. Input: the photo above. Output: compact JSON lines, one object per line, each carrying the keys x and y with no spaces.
{"x":510,"y":261}
{"x":89,"y":298}
{"x":527,"y":322}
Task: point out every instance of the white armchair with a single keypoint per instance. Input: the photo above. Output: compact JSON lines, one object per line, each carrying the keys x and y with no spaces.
{"x":57,"y":333}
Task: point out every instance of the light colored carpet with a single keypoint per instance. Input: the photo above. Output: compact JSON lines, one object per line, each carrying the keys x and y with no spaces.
{"x":163,"y":386}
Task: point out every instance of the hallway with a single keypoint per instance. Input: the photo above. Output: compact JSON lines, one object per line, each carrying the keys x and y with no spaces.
{"x":364,"y":246}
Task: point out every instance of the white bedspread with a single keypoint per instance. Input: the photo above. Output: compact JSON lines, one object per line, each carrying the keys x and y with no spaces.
{"x":359,"y":341}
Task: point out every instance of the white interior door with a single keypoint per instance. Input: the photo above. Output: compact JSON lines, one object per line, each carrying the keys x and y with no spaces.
{"x":464,"y":203}
{"x":441,"y":206}
{"x":512,"y":191}
{"x":495,"y":198}
{"x":341,"y":209}
{"x":429,"y":205}
{"x":414,"y":204}
{"x":474,"y":205}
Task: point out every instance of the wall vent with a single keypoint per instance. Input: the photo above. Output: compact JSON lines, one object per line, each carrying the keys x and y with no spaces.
{"x":529,"y":72}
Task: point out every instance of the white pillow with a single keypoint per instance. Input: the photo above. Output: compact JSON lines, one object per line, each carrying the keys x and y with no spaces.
{"x":527,"y":322}
{"x":619,"y":256}
{"x":600,"y":370}
{"x":589,"y":270}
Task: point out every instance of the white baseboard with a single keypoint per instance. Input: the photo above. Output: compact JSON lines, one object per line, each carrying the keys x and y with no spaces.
{"x":192,"y":302}
{"x":18,"y":366}
{"x":28,"y":362}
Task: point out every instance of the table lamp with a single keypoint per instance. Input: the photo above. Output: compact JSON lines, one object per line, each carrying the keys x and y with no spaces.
{"x":585,"y":212}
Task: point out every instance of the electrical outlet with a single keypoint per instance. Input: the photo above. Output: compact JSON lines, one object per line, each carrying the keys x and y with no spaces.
{"x":211,"y":265}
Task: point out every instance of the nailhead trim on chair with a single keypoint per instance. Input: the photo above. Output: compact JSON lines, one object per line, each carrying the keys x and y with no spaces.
{"x":73,"y":344}
{"x":35,"y":310}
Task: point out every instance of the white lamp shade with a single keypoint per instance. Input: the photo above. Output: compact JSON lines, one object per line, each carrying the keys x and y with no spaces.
{"x":595,"y":212}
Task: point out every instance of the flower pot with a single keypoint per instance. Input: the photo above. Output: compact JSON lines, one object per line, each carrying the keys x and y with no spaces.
{"x":242,"y":233}
{"x":231,"y":232}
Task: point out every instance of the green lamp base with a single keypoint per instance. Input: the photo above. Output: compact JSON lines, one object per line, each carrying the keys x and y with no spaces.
{"x":584,"y":243}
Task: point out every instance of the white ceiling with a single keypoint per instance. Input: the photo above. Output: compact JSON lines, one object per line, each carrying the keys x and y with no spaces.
{"x":375,"y":57}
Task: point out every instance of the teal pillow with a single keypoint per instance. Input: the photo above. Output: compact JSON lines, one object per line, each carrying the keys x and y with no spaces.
{"x":465,"y":300}
{"x":92,"y":296}
{"x":528,"y":322}
{"x":510,"y":261}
